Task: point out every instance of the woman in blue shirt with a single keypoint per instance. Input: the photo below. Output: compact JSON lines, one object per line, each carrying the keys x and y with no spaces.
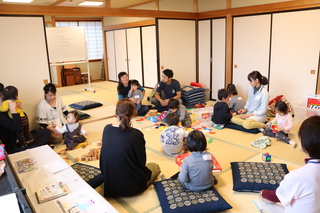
{"x":254,"y":113}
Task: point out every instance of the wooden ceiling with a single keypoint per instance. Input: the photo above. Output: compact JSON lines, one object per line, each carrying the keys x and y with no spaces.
{"x":74,"y":3}
{"x":131,"y":8}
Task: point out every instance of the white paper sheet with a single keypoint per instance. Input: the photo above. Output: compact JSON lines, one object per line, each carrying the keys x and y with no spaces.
{"x":9,"y":203}
{"x":265,"y":207}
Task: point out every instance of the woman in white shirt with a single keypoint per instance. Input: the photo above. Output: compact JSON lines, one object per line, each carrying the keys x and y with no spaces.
{"x":51,"y":111}
{"x":254,"y":113}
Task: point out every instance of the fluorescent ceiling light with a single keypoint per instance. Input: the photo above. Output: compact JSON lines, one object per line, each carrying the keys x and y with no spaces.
{"x":91,"y":3}
{"x":18,"y":1}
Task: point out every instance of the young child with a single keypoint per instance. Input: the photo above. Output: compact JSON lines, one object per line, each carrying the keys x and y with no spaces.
{"x":221,"y":111}
{"x":196,"y":169}
{"x":285,"y":124}
{"x":73,"y":131}
{"x":175,"y":106}
{"x":172,"y":138}
{"x":135,"y":94}
{"x":236,"y":102}
{"x":11,"y":93}
{"x":299,"y":191}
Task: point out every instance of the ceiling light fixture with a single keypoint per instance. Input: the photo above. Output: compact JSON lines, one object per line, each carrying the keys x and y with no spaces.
{"x":91,"y":3}
{"x":18,"y":1}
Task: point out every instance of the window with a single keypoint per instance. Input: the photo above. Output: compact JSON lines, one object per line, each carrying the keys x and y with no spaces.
{"x":93,"y":31}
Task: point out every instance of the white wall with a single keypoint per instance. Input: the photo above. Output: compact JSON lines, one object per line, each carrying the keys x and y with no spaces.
{"x":176,"y":5}
{"x":24,"y":62}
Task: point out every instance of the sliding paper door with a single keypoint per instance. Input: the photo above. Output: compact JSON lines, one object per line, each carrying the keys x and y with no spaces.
{"x":251,"y":48}
{"x":218,"y":56}
{"x":149,"y":52}
{"x":112,"y":72}
{"x":134,"y":54}
{"x":295,"y":55}
{"x":177,"y":48}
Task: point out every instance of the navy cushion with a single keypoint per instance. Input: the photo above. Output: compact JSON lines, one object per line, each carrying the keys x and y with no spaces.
{"x":92,"y":175}
{"x":83,"y":115}
{"x":241,"y":128}
{"x":194,"y":95}
{"x":254,"y":177}
{"x":83,"y":105}
{"x":175,"y":198}
{"x":188,"y":90}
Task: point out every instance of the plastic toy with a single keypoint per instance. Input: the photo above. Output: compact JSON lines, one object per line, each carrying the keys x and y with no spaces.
{"x":152,"y":119}
{"x":266,"y":157}
{"x":274,"y":127}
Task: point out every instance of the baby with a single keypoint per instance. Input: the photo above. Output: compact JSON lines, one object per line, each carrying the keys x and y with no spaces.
{"x":135,"y":94}
{"x":73,"y":131}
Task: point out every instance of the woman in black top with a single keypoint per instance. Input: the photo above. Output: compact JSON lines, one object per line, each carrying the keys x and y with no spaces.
{"x":123,"y":156}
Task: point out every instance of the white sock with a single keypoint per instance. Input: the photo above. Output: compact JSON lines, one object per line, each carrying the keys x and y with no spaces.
{"x":293,"y":144}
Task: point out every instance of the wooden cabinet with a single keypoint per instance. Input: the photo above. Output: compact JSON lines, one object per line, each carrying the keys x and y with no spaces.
{"x":71,"y":76}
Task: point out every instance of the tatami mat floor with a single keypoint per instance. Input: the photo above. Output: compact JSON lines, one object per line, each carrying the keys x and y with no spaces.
{"x":227,"y":146}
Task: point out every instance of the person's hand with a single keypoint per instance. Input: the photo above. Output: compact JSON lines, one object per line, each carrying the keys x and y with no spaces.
{"x":280,"y":129}
{"x":163,"y":103}
{"x":245,"y":116}
{"x":133,"y":99}
{"x":56,"y":132}
{"x":19,"y":104}
{"x":86,"y":134}
{"x":234,"y":114}
{"x":242,"y":111}
{"x":12,"y":106}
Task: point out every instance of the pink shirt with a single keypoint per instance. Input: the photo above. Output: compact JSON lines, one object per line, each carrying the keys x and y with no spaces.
{"x":284,"y":121}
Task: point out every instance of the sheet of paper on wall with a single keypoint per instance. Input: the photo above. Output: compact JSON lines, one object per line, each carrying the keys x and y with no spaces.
{"x":9,"y":203}
{"x":81,"y":201}
{"x":265,"y":207}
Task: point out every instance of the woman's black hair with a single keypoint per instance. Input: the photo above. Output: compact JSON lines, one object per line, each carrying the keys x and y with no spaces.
{"x":281,"y":106}
{"x":196,"y":141}
{"x":10,"y":93}
{"x":172,"y":119}
{"x":125,"y":110}
{"x":1,"y":87}
{"x":120,"y":84}
{"x":309,"y":135}
{"x":50,"y":88}
{"x":257,"y":75}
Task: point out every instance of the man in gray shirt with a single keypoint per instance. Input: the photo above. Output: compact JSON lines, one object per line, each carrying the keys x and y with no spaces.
{"x":167,"y":88}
